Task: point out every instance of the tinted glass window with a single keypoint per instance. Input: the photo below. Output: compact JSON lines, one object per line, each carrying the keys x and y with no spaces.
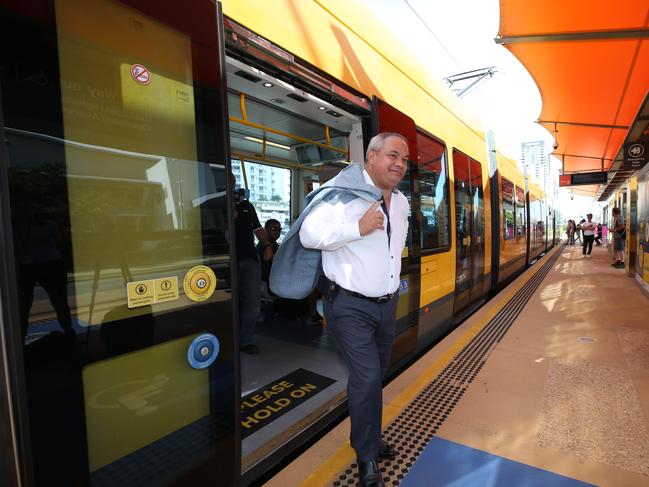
{"x":270,"y":191}
{"x":433,"y":188}
{"x":119,"y":217}
{"x":508,"y":209}
{"x":520,"y":212}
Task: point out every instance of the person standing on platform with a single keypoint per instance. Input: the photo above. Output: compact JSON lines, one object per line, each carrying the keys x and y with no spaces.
{"x":570,"y":231}
{"x":598,"y":235}
{"x":588,"y":228}
{"x":361,"y":244}
{"x":578,"y":230}
{"x":619,"y":238}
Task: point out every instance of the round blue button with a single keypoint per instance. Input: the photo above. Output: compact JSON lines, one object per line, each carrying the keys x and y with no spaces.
{"x":203,"y":351}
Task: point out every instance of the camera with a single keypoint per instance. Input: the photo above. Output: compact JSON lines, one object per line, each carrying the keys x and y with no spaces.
{"x":555,"y":144}
{"x":241,"y":194}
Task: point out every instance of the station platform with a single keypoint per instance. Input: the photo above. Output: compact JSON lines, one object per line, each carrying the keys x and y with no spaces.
{"x":546,"y":385}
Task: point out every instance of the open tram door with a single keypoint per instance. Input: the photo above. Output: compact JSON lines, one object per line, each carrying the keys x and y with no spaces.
{"x":116,"y":311}
{"x":386,"y":118}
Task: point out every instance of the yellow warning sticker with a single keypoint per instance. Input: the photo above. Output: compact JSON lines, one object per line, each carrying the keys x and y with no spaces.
{"x":166,"y":289}
{"x":199,"y":283}
{"x":140,"y":293}
{"x":404,"y":253}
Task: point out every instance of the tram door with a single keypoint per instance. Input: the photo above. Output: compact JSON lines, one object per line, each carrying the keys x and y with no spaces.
{"x":113,"y":140}
{"x":470,"y":231}
{"x":386,"y":118}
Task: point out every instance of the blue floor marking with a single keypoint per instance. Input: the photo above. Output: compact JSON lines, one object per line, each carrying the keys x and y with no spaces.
{"x":449,"y":464}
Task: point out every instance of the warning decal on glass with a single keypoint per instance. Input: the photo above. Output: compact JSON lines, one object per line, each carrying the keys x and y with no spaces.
{"x":141,"y":74}
{"x":140,"y":293}
{"x":151,"y":291}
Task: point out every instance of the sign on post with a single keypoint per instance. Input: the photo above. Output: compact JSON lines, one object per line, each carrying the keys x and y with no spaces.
{"x":635,"y":155}
{"x":581,"y":178}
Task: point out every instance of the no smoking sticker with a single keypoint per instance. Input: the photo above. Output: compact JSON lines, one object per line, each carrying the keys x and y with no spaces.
{"x":199,"y":283}
{"x":140,"y":74}
{"x":139,"y":293}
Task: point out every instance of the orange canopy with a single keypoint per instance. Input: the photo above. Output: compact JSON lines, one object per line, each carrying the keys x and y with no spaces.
{"x":590,"y":60}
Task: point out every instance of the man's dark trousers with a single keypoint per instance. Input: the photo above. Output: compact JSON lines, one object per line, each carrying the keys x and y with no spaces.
{"x":364,"y":332}
{"x":588,"y":243}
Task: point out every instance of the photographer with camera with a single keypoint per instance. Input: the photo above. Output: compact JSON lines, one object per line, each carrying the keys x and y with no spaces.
{"x":246,"y":227}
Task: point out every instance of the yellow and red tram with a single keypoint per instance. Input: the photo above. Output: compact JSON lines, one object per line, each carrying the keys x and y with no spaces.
{"x":120,"y":121}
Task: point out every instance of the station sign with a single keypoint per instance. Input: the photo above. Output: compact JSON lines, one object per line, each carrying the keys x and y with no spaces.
{"x":636,"y":155}
{"x":581,"y":178}
{"x":565,"y":180}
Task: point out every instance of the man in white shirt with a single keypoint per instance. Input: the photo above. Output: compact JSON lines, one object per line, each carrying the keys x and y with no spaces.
{"x":588,"y":229}
{"x":361,"y":245}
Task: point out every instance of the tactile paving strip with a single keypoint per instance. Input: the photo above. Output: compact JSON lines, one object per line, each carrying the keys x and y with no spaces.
{"x":411,"y":431}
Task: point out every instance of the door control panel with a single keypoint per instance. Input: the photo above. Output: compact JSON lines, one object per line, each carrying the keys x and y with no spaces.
{"x":203,"y":351}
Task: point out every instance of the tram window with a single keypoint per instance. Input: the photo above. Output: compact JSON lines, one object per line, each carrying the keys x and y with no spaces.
{"x":508,"y":209}
{"x":405,"y":187}
{"x":433,"y":188}
{"x":534,"y":219}
{"x":540,"y":219}
{"x":520,"y":212}
{"x":270,"y":191}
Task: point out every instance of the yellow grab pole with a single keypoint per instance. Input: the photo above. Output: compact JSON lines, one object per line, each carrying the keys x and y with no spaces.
{"x":242,"y":103}
{"x":277,"y":162}
{"x":243,"y":171}
{"x":286,"y":134}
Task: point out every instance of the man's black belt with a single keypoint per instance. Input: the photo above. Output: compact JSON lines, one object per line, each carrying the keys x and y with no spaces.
{"x":381,"y":299}
{"x":329,"y":288}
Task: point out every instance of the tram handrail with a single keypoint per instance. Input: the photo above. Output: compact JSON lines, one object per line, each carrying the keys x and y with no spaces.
{"x":286,"y":134}
{"x":244,"y":121}
{"x":254,"y":158}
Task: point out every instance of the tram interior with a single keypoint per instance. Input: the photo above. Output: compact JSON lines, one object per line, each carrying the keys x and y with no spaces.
{"x":271,"y":123}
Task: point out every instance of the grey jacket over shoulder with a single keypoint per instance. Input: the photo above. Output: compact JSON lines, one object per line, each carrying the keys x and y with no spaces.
{"x":296,"y":269}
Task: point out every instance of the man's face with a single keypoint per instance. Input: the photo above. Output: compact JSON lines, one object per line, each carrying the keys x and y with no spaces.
{"x":274,"y":231}
{"x":387,"y":166}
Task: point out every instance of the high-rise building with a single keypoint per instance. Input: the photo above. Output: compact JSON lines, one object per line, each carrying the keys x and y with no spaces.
{"x":535,"y":161}
{"x":270,"y":190}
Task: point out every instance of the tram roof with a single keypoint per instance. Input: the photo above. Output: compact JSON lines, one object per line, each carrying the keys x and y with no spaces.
{"x":346,"y":40}
{"x":589,"y":60}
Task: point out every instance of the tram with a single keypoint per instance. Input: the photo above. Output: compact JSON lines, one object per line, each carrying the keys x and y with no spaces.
{"x":119,"y":124}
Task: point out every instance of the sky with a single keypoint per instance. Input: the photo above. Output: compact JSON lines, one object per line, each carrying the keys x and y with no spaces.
{"x":458,"y":36}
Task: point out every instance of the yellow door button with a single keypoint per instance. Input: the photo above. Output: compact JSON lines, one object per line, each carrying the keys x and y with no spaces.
{"x":199,"y":283}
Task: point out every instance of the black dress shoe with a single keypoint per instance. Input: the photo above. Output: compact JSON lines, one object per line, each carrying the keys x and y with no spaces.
{"x":387,"y":451}
{"x":369,"y":474}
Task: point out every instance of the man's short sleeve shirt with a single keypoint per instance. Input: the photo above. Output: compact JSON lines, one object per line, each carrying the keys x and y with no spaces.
{"x":245,"y":223}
